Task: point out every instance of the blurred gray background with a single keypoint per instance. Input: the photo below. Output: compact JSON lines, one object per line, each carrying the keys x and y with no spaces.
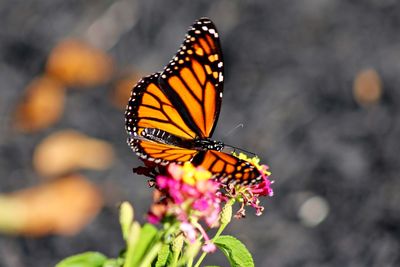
{"x":290,"y":68}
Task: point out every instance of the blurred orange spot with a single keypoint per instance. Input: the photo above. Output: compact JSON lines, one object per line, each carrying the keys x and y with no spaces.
{"x":68,"y":150}
{"x":60,"y":207}
{"x":367,"y":87}
{"x":76,"y":63}
{"x":122,"y":90}
{"x":42,"y":105}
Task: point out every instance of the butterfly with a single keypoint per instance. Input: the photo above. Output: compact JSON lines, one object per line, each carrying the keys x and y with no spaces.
{"x":171,"y":115}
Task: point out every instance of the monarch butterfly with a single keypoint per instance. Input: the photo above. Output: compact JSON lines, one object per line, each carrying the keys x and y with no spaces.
{"x":171,"y":115}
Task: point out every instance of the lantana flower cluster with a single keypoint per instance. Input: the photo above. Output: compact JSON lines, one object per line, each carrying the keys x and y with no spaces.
{"x":188,"y":192}
{"x":188,"y":195}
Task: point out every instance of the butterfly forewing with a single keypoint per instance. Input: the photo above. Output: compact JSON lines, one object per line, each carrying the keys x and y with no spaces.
{"x":149,"y":107}
{"x":193,"y":80}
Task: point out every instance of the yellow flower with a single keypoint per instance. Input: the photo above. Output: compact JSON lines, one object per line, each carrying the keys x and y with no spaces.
{"x":191,"y":175}
{"x":188,"y":173}
{"x":202,"y":174}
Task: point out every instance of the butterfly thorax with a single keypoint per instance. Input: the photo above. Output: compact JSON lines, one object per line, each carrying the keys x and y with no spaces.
{"x":164,"y":137}
{"x":207,"y":144}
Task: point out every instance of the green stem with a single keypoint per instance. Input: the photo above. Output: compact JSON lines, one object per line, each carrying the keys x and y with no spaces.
{"x":219,"y":232}
{"x":190,"y":253}
{"x":203,"y":255}
{"x":174,"y":262}
{"x":190,"y":262}
{"x":173,"y":228}
{"x":150,"y":256}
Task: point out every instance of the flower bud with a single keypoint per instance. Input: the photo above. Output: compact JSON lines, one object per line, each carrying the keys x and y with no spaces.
{"x":177,"y":244}
{"x":126,"y":215}
{"x":226,"y":214}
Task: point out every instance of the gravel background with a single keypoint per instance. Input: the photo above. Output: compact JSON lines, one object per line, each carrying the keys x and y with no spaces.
{"x":290,"y":67}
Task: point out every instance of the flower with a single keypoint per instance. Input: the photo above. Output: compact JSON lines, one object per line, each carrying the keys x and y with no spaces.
{"x":188,"y":195}
{"x":209,"y":247}
{"x":249,"y":194}
{"x":189,"y":231}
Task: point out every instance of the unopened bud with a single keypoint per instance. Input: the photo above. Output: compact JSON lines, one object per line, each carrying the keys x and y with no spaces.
{"x":126,"y":214}
{"x":177,"y":244}
{"x":226,"y":214}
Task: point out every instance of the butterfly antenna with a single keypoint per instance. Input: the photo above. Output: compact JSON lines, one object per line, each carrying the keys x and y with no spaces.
{"x":233,"y":149}
{"x":240,"y":125}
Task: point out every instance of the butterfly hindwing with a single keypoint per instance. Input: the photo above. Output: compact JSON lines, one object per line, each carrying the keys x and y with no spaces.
{"x":161,"y":153}
{"x":224,"y":167}
{"x":193,"y":80}
{"x":227,"y":168}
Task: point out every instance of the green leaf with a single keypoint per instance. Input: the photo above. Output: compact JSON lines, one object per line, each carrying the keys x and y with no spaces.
{"x":235,"y":251}
{"x":163,"y":255}
{"x":87,"y":259}
{"x":151,"y":255}
{"x":212,"y":266}
{"x":146,"y":239}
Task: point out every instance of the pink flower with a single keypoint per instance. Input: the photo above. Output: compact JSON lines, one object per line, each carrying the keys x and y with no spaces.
{"x":152,"y":218}
{"x":189,"y":231}
{"x":209,"y":247}
{"x":249,"y":195}
{"x":263,"y":188}
{"x":189,"y":195}
{"x":200,"y":204}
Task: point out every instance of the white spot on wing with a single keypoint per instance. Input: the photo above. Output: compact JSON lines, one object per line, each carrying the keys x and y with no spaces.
{"x":221,"y":78}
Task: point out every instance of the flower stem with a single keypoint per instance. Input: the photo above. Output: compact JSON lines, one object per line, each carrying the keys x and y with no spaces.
{"x":203,"y":255}
{"x":219,"y":232}
{"x":190,"y":262}
{"x":148,"y":259}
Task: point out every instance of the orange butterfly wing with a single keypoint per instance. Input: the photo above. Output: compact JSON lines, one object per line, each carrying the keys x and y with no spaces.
{"x":228,"y":168}
{"x":193,"y":80}
{"x":161,"y":153}
{"x":185,"y":99}
{"x":149,"y":107}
